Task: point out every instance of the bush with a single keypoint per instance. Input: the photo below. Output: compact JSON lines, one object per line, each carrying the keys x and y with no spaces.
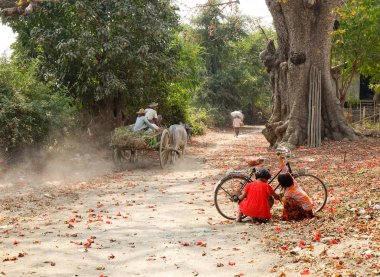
{"x":200,"y":119}
{"x":376,"y":97}
{"x":175,"y":106}
{"x":352,"y":101}
{"x":31,"y":113}
{"x":22,"y":124}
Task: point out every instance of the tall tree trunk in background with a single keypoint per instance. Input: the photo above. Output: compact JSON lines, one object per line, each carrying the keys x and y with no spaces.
{"x":303,"y":28}
{"x":111,"y":111}
{"x":107,"y":114}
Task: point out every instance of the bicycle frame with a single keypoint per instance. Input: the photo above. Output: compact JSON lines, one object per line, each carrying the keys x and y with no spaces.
{"x":282,"y":160}
{"x":240,"y":178}
{"x":284,"y":164}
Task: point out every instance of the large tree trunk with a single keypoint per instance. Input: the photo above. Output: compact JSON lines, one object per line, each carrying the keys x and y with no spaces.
{"x":304,"y":40}
{"x":107,"y":114}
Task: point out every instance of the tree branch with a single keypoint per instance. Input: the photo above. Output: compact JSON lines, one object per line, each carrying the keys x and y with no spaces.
{"x":6,"y":4}
{"x":346,"y":83}
{"x":12,"y":8}
{"x":219,"y":4}
{"x":263,"y":31}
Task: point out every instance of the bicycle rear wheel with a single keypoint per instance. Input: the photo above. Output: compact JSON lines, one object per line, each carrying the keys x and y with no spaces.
{"x":312,"y":185}
{"x":315,"y":188}
{"x":224,"y":191}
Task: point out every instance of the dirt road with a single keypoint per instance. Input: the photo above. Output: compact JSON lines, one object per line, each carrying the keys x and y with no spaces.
{"x":145,"y":221}
{"x":141,"y":222}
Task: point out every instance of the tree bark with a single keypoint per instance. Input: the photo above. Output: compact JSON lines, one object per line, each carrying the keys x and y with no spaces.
{"x":303,"y":29}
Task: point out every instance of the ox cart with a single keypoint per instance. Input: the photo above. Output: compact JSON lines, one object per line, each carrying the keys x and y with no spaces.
{"x":126,"y":144}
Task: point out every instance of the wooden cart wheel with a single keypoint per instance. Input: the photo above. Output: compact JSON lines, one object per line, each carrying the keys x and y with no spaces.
{"x":164,"y":150}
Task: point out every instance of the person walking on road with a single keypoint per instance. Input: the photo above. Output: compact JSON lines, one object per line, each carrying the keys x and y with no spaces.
{"x":237,"y":123}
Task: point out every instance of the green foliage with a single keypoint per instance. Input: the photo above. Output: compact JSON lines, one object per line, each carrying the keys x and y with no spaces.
{"x":357,"y":40}
{"x":235,"y":77}
{"x":176,"y":105}
{"x":118,"y":56}
{"x":200,"y":119}
{"x":125,"y":137}
{"x":353,"y":100}
{"x":103,"y":51}
{"x":376,"y":89}
{"x":29,"y":111}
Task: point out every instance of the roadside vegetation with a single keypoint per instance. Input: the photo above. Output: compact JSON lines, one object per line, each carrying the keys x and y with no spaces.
{"x":76,"y":68}
{"x":87,"y":67}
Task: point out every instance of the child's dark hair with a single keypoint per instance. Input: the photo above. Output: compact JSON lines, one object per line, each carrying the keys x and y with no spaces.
{"x":285,"y":180}
{"x":263,"y":174}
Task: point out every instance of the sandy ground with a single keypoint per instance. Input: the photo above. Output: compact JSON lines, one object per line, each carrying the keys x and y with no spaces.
{"x":77,"y":217}
{"x":139,"y":222}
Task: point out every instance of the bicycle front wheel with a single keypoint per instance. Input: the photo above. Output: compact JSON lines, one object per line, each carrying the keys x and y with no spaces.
{"x":315,"y":189}
{"x":224,"y":191}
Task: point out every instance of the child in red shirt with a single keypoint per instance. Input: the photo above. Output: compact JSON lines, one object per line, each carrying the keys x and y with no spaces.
{"x":254,"y":198}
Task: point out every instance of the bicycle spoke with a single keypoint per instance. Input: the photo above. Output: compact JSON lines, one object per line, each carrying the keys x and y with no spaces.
{"x":230,"y":196}
{"x":223,"y":195}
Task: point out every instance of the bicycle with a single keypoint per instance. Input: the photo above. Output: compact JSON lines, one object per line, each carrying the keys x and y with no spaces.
{"x":225,"y":189}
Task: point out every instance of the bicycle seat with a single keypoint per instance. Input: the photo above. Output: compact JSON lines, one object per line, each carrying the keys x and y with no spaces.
{"x":254,"y":161}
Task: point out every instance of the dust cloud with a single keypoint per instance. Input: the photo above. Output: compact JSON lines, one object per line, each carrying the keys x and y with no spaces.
{"x":48,"y":170}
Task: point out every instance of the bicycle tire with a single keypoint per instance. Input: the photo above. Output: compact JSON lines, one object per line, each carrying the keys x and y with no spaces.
{"x":314,"y":187}
{"x":223,"y":192}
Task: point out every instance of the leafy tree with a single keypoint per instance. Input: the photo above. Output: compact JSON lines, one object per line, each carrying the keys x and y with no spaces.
{"x":357,"y":41}
{"x":234,"y":76}
{"x":189,"y":80}
{"x":109,"y":54}
{"x":249,"y":75}
{"x":31,"y":112}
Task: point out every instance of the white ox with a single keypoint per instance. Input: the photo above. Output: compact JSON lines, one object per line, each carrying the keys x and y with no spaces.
{"x":178,"y":138}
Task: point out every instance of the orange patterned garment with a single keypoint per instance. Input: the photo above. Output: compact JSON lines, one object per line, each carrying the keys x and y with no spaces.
{"x":299,"y":195}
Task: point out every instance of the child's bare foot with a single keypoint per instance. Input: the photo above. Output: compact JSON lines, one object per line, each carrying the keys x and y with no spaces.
{"x":238,"y":218}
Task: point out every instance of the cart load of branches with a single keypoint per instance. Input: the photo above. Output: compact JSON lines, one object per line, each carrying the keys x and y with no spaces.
{"x":126,"y":138}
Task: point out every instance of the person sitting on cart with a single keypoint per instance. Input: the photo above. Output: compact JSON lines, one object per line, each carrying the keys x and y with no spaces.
{"x":142,"y":123}
{"x":151,"y":113}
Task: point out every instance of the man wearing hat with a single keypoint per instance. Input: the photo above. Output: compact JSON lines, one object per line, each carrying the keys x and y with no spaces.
{"x":151,"y":113}
{"x":142,"y":123}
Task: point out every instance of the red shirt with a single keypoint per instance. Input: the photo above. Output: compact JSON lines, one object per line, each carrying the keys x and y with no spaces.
{"x":256,"y":202}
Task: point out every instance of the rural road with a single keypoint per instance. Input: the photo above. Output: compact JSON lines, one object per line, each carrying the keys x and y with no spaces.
{"x":144,"y":221}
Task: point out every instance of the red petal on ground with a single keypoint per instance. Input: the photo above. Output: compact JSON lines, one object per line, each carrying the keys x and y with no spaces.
{"x":317,"y":236}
